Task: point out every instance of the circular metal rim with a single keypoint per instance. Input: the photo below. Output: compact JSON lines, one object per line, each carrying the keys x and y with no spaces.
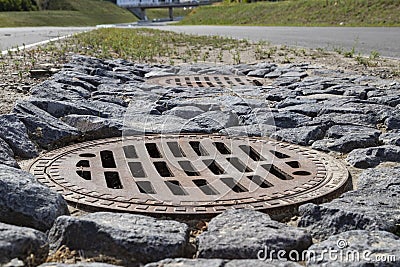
{"x":334,"y":182}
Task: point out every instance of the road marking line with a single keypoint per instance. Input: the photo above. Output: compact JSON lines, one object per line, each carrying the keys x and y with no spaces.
{"x":22,"y":47}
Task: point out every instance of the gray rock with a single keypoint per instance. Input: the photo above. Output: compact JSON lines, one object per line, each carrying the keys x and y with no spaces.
{"x":240,"y":109}
{"x":308,"y":109}
{"x":371,"y":157}
{"x":159,"y":73}
{"x":109,"y":109}
{"x":362,"y":248}
{"x":295,"y":74}
{"x":274,"y":74}
{"x":380,"y":178}
{"x":79,"y":264}
{"x":211,"y":121}
{"x":323,"y":145}
{"x":263,"y":65}
{"x":117,"y":100}
{"x":14,"y":263}
{"x":26,"y":202}
{"x":390,"y":138}
{"x":372,"y":209}
{"x":315,"y":89}
{"x":380,"y":112}
{"x":259,"y":72}
{"x":185,"y":112}
{"x":14,"y":133}
{"x":317,"y":85}
{"x":220,"y":263}
{"x":290,"y":82}
{"x":60,"y":109}
{"x":305,"y":135}
{"x":378,"y":93}
{"x":91,"y":79}
{"x":43,"y":128}
{"x":345,"y":119}
{"x":341,"y":109}
{"x":63,"y":79}
{"x":140,"y":123}
{"x":7,"y":155}
{"x":22,"y":243}
{"x":251,"y":95}
{"x":131,"y":238}
{"x":61,"y":92}
{"x":241,"y":234}
{"x":392,"y":123}
{"x":288,"y":102}
{"x":338,"y":131}
{"x":123,"y":76}
{"x":219,"y":70}
{"x":117,"y":90}
{"x":347,"y":143}
{"x":359,"y":91}
{"x":324,"y":97}
{"x":94,"y":127}
{"x":250,"y":130}
{"x":329,"y":72}
{"x":279,"y":94}
{"x":281,"y":119}
{"x":390,"y":100}
{"x":79,"y":61}
{"x":228,"y":100}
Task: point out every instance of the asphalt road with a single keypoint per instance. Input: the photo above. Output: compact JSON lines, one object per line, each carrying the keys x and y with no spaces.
{"x":386,"y":41}
{"x":15,"y":37}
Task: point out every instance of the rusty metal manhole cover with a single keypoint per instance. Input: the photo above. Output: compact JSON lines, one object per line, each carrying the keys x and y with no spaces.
{"x":207,"y":81}
{"x":190,"y":174}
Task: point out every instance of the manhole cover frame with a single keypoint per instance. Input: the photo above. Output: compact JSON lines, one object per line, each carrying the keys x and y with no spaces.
{"x":332,"y":179}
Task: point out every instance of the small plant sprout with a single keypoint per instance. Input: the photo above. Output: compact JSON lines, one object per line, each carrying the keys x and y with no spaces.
{"x":374,"y":55}
{"x":350,"y":53}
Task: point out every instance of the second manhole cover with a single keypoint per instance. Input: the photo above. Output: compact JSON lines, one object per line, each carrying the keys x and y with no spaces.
{"x":190,"y":174}
{"x":207,"y":81}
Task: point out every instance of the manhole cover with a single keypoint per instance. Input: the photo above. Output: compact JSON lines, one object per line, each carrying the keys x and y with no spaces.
{"x":190,"y":174}
{"x":207,"y":81}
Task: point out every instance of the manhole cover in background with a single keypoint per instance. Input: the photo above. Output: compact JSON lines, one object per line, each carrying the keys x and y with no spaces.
{"x":207,"y":81}
{"x":190,"y":174}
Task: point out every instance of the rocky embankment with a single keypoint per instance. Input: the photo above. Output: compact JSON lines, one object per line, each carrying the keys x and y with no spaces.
{"x":348,"y":115}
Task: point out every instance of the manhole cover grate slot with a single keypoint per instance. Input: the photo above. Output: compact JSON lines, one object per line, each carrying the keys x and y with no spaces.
{"x":166,"y":173}
{"x":130,"y":152}
{"x":153,"y":151}
{"x":162,"y":169}
{"x":188,"y":168}
{"x":145,"y":187}
{"x":112,"y":180}
{"x":176,"y":188}
{"x":107,"y":159}
{"x":137,"y":170}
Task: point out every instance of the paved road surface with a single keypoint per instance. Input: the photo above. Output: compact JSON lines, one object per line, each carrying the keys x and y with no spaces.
{"x":13,"y":37}
{"x":384,"y":40}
